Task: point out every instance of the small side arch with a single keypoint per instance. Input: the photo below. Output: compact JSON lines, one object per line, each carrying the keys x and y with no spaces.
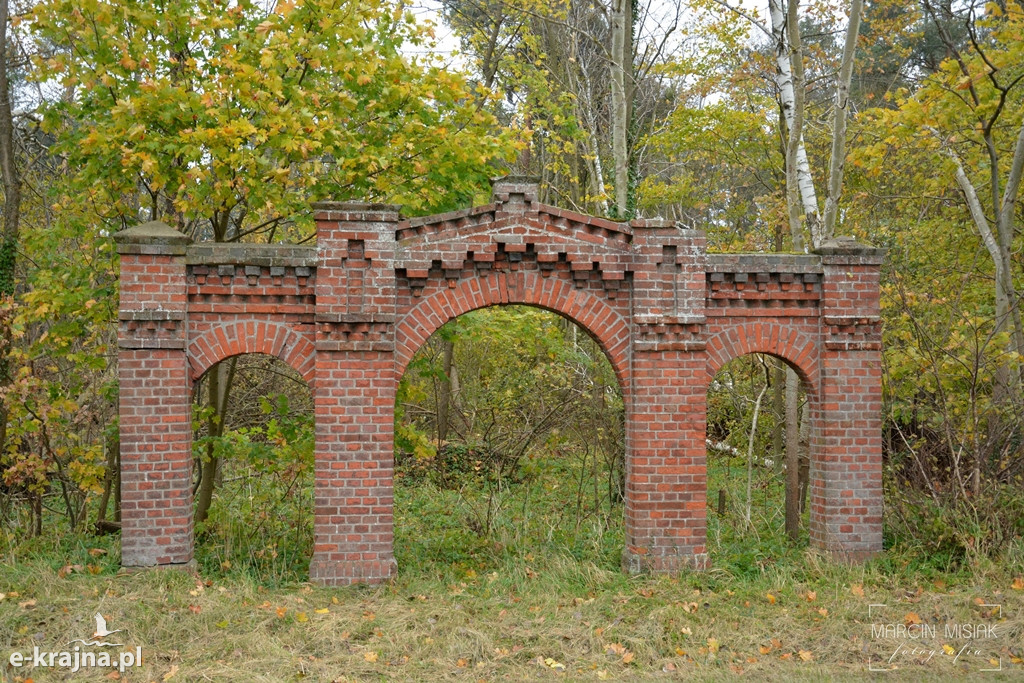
{"x":252,"y":336}
{"x":599,"y":319}
{"x":781,"y":341}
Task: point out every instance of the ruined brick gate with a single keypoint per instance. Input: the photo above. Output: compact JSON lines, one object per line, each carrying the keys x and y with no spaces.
{"x":349,"y":313}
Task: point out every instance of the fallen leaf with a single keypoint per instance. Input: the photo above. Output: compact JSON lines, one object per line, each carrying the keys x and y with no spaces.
{"x":686,"y":631}
{"x":765,"y":649}
{"x":911,"y":618}
{"x":28,"y":604}
{"x":602,"y":674}
{"x":334,"y":600}
{"x":322,"y":610}
{"x":552,"y":664}
{"x":771,"y":598}
{"x":301,"y":617}
{"x":1018,"y":583}
{"x":681,"y":652}
{"x":627,"y":658}
{"x":805,"y":655}
{"x":857,"y":590}
{"x":370,"y":656}
{"x":461,"y":663}
{"x":713,"y":645}
{"x":614,"y":649}
{"x":281,"y":611}
{"x":736,"y":669}
{"x":170,"y":674}
{"x":822,"y":611}
{"x":776,"y":643}
{"x":788,"y":655}
{"x":222,"y":624}
{"x":948,"y":649}
{"x":96,"y":552}
{"x":668,"y":668}
{"x":979,"y":601}
{"x":113,"y":676}
{"x":812,"y":596}
{"x":195,"y":609}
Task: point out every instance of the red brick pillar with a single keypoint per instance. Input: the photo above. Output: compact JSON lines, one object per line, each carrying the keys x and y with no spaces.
{"x":846,"y":459}
{"x":156,"y":399}
{"x":355,"y":393}
{"x":666,"y":482}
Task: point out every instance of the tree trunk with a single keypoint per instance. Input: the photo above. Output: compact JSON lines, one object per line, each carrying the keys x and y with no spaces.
{"x":837,"y":161}
{"x":11,"y":208}
{"x":792,"y":454}
{"x":622,"y":18}
{"x":444,"y":396}
{"x":800,"y":194}
{"x":222,"y":376}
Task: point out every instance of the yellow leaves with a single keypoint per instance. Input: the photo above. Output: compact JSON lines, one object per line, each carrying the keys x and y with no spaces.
{"x":857,"y":590}
{"x":364,"y":79}
{"x":301,"y":617}
{"x":264,"y":27}
{"x":170,"y":673}
{"x":770,"y":598}
{"x":948,"y":649}
{"x":811,"y":596}
{"x":1018,"y":583}
{"x":281,"y":611}
{"x":911,"y":619}
{"x":713,"y":645}
{"x":322,"y":610}
{"x":805,"y":655}
{"x":553,"y":664}
{"x":370,"y":656}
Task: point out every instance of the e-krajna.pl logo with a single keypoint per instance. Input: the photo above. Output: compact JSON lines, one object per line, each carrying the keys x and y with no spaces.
{"x":78,"y":657}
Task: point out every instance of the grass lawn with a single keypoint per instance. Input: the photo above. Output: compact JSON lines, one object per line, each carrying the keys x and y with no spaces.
{"x":539,"y":598}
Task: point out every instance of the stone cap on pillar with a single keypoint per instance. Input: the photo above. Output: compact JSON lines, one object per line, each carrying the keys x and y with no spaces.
{"x":154,"y":237}
{"x":847,"y":250}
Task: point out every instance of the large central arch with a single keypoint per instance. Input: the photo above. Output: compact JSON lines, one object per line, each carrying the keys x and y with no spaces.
{"x":350,"y":313}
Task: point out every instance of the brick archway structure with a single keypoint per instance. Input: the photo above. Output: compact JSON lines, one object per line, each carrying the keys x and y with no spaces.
{"x":349,"y":314}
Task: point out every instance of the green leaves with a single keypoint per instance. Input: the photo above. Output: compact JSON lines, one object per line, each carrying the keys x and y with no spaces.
{"x":192,"y":110}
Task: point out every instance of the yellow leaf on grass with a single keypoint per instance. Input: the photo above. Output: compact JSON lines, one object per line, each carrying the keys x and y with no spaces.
{"x":552,"y":664}
{"x":301,"y":617}
{"x":857,"y":590}
{"x":170,"y":674}
{"x":627,"y":658}
{"x":1018,"y":583}
{"x":776,"y":643}
{"x":322,"y":610}
{"x":771,"y":598}
{"x":461,"y":663}
{"x":911,"y":618}
{"x":812,"y":596}
{"x":805,"y":655}
{"x":370,"y":656}
{"x":334,"y":600}
{"x":281,"y":611}
{"x":822,"y":611}
{"x":765,"y":649}
{"x":948,"y":649}
{"x":713,"y":645}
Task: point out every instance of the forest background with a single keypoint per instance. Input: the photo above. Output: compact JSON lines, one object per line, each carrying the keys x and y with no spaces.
{"x":771,"y":128}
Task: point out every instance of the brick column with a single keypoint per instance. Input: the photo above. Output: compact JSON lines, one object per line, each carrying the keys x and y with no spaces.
{"x":846,"y":462}
{"x":666,"y":480}
{"x":355,"y":393}
{"x":155,"y":399}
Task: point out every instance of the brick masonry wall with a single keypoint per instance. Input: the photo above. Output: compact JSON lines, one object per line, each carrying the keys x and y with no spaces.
{"x":350,"y":313}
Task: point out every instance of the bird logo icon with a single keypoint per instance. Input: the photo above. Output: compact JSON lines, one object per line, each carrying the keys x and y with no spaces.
{"x":101,"y":632}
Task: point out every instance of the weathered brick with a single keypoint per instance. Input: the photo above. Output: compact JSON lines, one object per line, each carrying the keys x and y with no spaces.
{"x":350,"y":313}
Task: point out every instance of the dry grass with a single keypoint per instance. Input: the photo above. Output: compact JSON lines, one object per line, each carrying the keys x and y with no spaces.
{"x":525,"y":621}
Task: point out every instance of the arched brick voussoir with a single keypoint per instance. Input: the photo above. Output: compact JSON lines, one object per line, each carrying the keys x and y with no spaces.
{"x":595,"y":316}
{"x":252,"y":336}
{"x":792,"y":346}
